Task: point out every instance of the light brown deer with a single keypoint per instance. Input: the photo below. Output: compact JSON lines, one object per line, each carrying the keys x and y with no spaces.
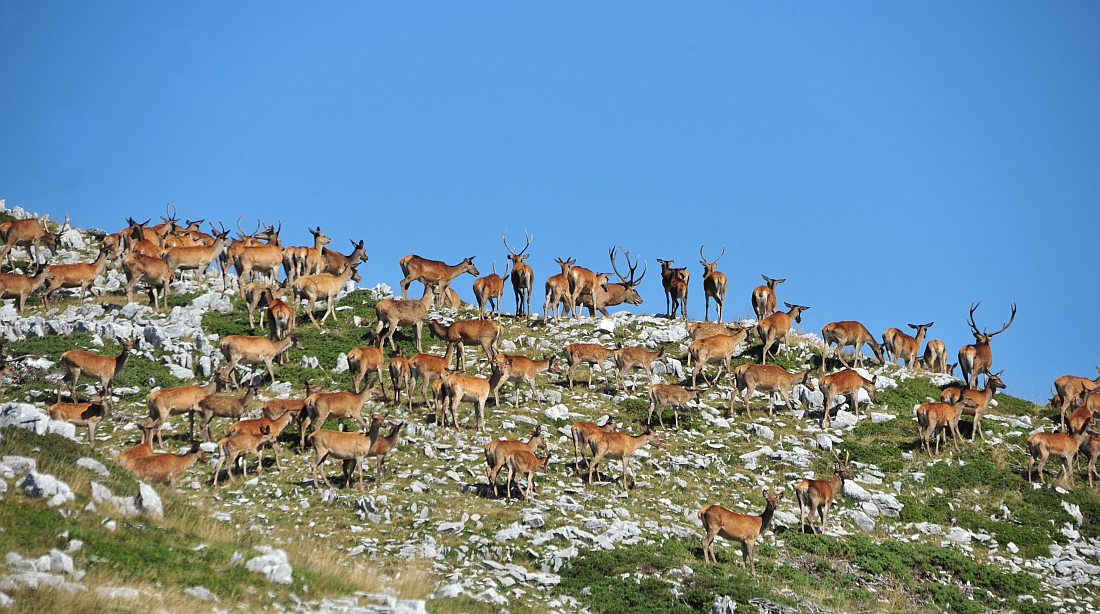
{"x":581,"y":281}
{"x":198,"y":257}
{"x":763,"y":297}
{"x":669,"y":395}
{"x":141,"y":450}
{"x":630,"y":360}
{"x":1043,"y":445}
{"x":498,"y":451}
{"x":434,"y":273}
{"x":775,"y":328}
{"x":257,"y":426}
{"x":400,"y":374}
{"x":461,"y":333}
{"x":714,"y":282}
{"x":253,"y":350}
{"x":88,"y":414}
{"x":20,"y":287}
{"x":255,"y":299}
{"x":425,"y":368}
{"x":273,"y":409}
{"x":334,"y":261}
{"x":980,"y":400}
{"x":767,"y":378}
{"x":81,"y":276}
{"x":516,"y":369}
{"x":347,"y":447}
{"x":365,"y":359}
{"x":28,"y":233}
{"x":702,"y":330}
{"x":381,"y":448}
{"x":616,"y":445}
{"x":1072,"y":389}
{"x":394,"y":312}
{"x":178,"y":400}
{"x":744,"y":528}
{"x":606,"y":295}
{"x":524,"y":464}
{"x":1079,"y":420}
{"x":223,"y":406}
{"x":282,"y":314}
{"x":148,"y":270}
{"x":977,"y":359}
{"x":933,"y":418}
{"x":458,"y":388}
{"x":583,"y":431}
{"x":166,"y":468}
{"x":815,"y":497}
{"x":1091,"y":448}
{"x":935,"y":356}
{"x":307,"y":260}
{"x":847,"y":383}
{"x":668,"y":275}
{"x":490,"y":289}
{"x":105,"y":368}
{"x":324,"y":286}
{"x":714,"y":350}
{"x":591,"y":354}
{"x":235,"y":446}
{"x":523,"y":277}
{"x":557,"y":291}
{"x":320,"y":406}
{"x":848,"y":333}
{"x":902,"y":346}
{"x":258,"y":258}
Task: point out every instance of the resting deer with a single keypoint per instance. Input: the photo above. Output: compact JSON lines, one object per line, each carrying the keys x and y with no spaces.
{"x":468,"y":332}
{"x":141,"y":450}
{"x":490,"y":289}
{"x":105,"y":368}
{"x":324,"y":286}
{"x":977,"y":359}
{"x":630,"y":360}
{"x":903,"y":347}
{"x":714,"y":283}
{"x":768,"y":378}
{"x":334,"y":261}
{"x":606,"y":295}
{"x":815,"y":497}
{"x":81,"y":276}
{"x":775,"y":328}
{"x":498,"y":451}
{"x":523,"y":277}
{"x":744,"y":528}
{"x":847,"y":383}
{"x":665,"y":395}
{"x":88,"y":414}
{"x":516,"y":369}
{"x":394,"y":312}
{"x":713,"y":350}
{"x":591,"y":354}
{"x":615,"y":445}
{"x":848,"y":333}
{"x":234,"y":446}
{"x":582,"y":432}
{"x":433,"y":273}
{"x":253,"y":350}
{"x":166,"y":468}
{"x":668,"y":274}
{"x":979,"y":400}
{"x":763,"y":297}
{"x":1043,"y":445}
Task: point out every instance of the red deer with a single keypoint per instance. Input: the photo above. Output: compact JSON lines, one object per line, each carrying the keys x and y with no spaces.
{"x":979,"y":400}
{"x":714,"y":283}
{"x":282,"y":314}
{"x":166,"y":468}
{"x":399,"y":374}
{"x":320,"y":406}
{"x":847,"y":383}
{"x":848,"y":333}
{"x":20,"y":287}
{"x":1091,"y":448}
{"x":299,"y":261}
{"x":744,"y":528}
{"x":426,"y":367}
{"x":81,"y":276}
{"x":105,"y":368}
{"x":933,"y":418}
{"x":394,"y":312}
{"x":88,"y":414}
{"x":582,"y":432}
{"x":381,"y":448}
{"x":348,"y":447}
{"x":458,"y":388}
{"x":903,"y":347}
{"x":223,"y":406}
{"x":815,"y":497}
{"x":362,"y":360}
{"x":336,"y":262}
{"x":433,"y":273}
{"x":498,"y":451}
{"x":258,"y":258}
{"x":256,"y":427}
{"x":665,"y":395}
{"x":148,"y":270}
{"x":977,"y":359}
{"x":668,"y":275}
{"x":615,"y":445}
{"x":768,"y":378}
{"x":1043,"y":445}
{"x":252,"y":350}
{"x":606,"y":295}
{"x":557,"y":291}
{"x":28,"y":233}
{"x":524,"y":464}
{"x":516,"y":369}
{"x":629,"y":360}
{"x":468,"y":332}
{"x":198,"y":257}
{"x":273,"y":409}
{"x":775,"y":328}
{"x":490,"y":289}
{"x":763,"y":297}
{"x":523,"y":277}
{"x":234,"y":447}
{"x":935,"y":357}
{"x":716,"y":349}
{"x":1071,"y":390}
{"x":585,"y":353}
{"x":581,"y":281}
{"x":177,"y":400}
{"x":324,"y":286}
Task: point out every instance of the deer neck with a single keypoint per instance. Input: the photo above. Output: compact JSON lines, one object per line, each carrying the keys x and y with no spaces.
{"x":372,"y":434}
{"x":120,"y":360}
{"x":100,"y":262}
{"x":454,"y":270}
{"x":283,"y":344}
{"x":837,"y":482}
{"x":766,"y":517}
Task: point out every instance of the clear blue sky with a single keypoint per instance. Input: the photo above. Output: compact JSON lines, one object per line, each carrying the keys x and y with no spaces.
{"x":893,"y":160}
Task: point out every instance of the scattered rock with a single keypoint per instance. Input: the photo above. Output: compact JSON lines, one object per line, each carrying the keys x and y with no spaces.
{"x":272,"y":563}
{"x":93,"y":465}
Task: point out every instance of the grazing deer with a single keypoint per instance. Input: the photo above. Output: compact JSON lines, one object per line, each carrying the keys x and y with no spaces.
{"x":1043,"y":445}
{"x":524,"y":464}
{"x":582,"y":432}
{"x":979,"y":400}
{"x":714,"y":283}
{"x":457,"y":388}
{"x":307,"y":260}
{"x":433,"y":273}
{"x":903,"y":347}
{"x":106,"y":368}
{"x":27,"y":233}
{"x":665,"y":395}
{"x":702,"y":330}
{"x":523,"y":277}
{"x":615,"y":445}
{"x":516,"y":369}
{"x":763,"y":297}
{"x":151,"y":271}
{"x":815,"y":497}
{"x":233,"y":447}
{"x":425,"y":368}
{"x":490,"y":289}
{"x":668,"y":276}
{"x":81,"y":276}
{"x":399,"y":374}
{"x":1071,"y":390}
{"x":932,"y":418}
{"x":177,"y":400}
{"x":334,"y":261}
{"x":468,"y":332}
{"x":630,"y":360}
{"x":846,"y":383}
{"x":223,"y":406}
{"x":768,"y":378}
{"x":166,"y":468}
{"x":977,"y":359}
{"x":744,"y":528}
{"x":713,"y":350}
{"x":394,"y":312}
{"x":140,"y":450}
{"x":843,"y":334}
{"x":557,"y":291}
{"x":935,"y":356}
{"x":591,"y":354}
{"x":20,"y":287}
{"x":775,"y":328}
{"x":324,"y":286}
{"x":282,"y":314}
{"x":255,"y":298}
{"x":320,"y":406}
{"x":198,"y":257}
{"x":362,"y":360}
{"x":88,"y":414}
{"x":252,"y":350}
{"x":498,"y":451}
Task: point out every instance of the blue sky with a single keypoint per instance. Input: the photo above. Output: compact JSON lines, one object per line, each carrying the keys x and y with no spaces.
{"x":893,"y":160}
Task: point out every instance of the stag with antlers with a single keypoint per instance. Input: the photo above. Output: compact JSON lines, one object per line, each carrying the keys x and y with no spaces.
{"x":977,"y":358}
{"x":27,"y":233}
{"x":606,"y":295}
{"x":714,"y":282}
{"x":523,"y":277}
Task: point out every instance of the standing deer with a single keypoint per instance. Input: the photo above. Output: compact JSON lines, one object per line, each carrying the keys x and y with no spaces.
{"x":334,"y":261}
{"x":618,"y":446}
{"x":678,"y":292}
{"x":846,"y":383}
{"x":744,"y":528}
{"x":979,"y":400}
{"x":320,"y":406}
{"x":253,"y":350}
{"x":348,"y":447}
{"x":88,"y":414}
{"x":977,"y":359}
{"x":932,"y":418}
{"x":521,"y":464}
{"x":426,"y":367}
{"x":490,"y":289}
{"x":715,"y":349}
{"x":523,"y":277}
{"x":282,"y":314}
{"x":234,"y":446}
{"x":468,"y":332}
{"x":177,"y":400}
{"x":197,"y":257}
{"x":1043,"y":445}
{"x":1091,"y":448}
{"x":326,"y":286}
{"x":259,"y":258}
{"x":582,"y":281}
{"x":151,"y":271}
{"x":20,"y":287}
{"x":668,"y":274}
{"x":714,"y":283}
{"x":362,"y":360}
{"x":399,"y":374}
{"x":308,"y":260}
{"x":935,"y":356}
{"x":498,"y":451}
{"x":591,"y":354}
{"x":582,"y":432}
{"x":73,"y":276}
{"x":768,"y":378}
{"x":557,"y":291}
{"x":629,"y":360}
{"x":1071,"y":389}
{"x":775,"y":328}
{"x":394,"y":312}
{"x":843,"y":334}
{"x":665,"y":395}
{"x":815,"y":497}
{"x":223,"y":406}
{"x":458,"y":388}
{"x":433,"y":273}
{"x":516,"y":369}
{"x":903,"y":347}
{"x":763,"y":297}
{"x":105,"y":368}
{"x":29,"y":233}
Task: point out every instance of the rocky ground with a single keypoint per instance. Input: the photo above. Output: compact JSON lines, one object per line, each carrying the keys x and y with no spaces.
{"x":962,"y":531}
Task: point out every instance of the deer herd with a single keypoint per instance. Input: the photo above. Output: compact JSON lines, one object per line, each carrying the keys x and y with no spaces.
{"x":153,"y":257}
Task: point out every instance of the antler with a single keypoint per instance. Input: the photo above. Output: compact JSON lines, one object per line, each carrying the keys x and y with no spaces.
{"x":632,"y":266}
{"x":970,"y":320}
{"x":512,"y":251}
{"x":716,"y":259}
{"x":1009,"y":323}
